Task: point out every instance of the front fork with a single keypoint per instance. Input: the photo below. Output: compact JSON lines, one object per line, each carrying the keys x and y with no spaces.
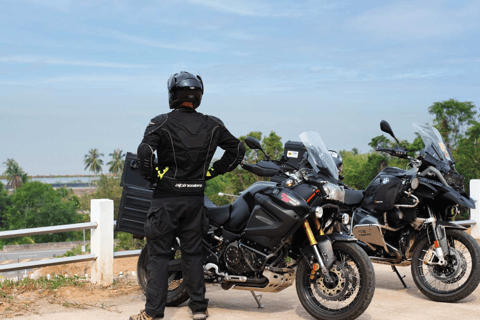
{"x":440,"y":242}
{"x":325,"y":245}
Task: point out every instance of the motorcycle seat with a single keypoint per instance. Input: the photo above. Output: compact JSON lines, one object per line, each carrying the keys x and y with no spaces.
{"x":217,"y":215}
{"x":353,"y":197}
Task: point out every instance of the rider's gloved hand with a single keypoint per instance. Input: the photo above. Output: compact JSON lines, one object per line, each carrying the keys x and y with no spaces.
{"x":210,"y":174}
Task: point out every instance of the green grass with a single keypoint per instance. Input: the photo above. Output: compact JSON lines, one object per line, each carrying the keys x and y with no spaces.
{"x":42,"y":282}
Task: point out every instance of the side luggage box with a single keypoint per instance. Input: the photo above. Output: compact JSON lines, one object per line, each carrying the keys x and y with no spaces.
{"x":136,"y":198}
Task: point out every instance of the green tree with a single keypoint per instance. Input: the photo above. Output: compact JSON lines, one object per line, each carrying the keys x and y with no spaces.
{"x":4,"y":204}
{"x":117,"y":162}
{"x":380,"y":142}
{"x":93,"y":162}
{"x":38,"y":205}
{"x":452,"y":119}
{"x":107,"y":188}
{"x":15,"y":174}
{"x":467,"y":155}
{"x":273,"y":146}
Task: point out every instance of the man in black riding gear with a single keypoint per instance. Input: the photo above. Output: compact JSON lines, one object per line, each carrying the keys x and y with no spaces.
{"x":185,"y":141}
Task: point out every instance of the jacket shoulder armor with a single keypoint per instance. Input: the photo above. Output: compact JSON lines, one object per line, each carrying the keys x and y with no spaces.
{"x":156,"y":123}
{"x":216,"y":120}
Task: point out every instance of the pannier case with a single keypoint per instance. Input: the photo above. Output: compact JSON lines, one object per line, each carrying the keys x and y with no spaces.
{"x":294,"y":151}
{"x":136,"y":197}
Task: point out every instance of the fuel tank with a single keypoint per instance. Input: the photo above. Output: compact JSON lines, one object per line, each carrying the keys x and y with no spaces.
{"x":384,"y":191}
{"x":278,"y":212}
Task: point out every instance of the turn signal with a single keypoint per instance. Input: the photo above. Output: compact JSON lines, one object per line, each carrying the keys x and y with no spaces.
{"x":345,"y":218}
{"x":415,"y":183}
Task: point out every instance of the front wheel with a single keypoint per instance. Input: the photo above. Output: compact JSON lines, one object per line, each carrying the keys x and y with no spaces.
{"x":351,"y":291}
{"x":177,"y":293}
{"x":454,"y":281}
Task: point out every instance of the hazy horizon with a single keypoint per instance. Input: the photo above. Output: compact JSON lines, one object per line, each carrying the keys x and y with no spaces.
{"x":91,"y":74}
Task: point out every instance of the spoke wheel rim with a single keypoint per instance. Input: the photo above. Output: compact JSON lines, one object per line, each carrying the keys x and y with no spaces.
{"x":452,"y":277}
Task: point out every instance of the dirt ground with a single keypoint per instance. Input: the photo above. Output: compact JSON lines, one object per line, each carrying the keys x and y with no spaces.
{"x":26,"y":301}
{"x":124,"y":265}
{"x":391,"y":301}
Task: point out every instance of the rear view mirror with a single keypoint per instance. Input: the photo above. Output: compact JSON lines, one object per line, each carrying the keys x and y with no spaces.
{"x":385,"y":127}
{"x":253,"y":143}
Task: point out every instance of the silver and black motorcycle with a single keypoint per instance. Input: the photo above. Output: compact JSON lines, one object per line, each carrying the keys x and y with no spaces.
{"x":271,"y":235}
{"x":404,"y":218}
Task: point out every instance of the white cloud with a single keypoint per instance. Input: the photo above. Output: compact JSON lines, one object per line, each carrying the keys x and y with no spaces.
{"x":241,"y":35}
{"x":63,"y":5}
{"x":275,"y":8}
{"x":187,"y":46}
{"x":425,"y":74}
{"x":418,"y":19}
{"x":63,"y":62}
{"x":243,"y":8}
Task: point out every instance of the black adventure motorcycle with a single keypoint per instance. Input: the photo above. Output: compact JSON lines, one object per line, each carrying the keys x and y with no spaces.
{"x":248,"y":242}
{"x":403,"y":218}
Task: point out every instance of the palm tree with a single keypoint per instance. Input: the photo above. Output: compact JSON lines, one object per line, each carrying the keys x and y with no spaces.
{"x":15,"y":175}
{"x":93,"y":162}
{"x":116,"y":165}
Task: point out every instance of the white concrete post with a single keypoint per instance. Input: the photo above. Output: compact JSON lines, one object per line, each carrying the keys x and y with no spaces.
{"x":102,"y":241}
{"x":475,"y":213}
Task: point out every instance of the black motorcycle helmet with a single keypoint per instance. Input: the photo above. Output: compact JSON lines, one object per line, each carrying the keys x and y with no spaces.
{"x":184,"y":87}
{"x":337,"y":158}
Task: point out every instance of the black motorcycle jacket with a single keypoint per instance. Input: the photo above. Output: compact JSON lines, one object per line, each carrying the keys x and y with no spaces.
{"x":185,"y":141}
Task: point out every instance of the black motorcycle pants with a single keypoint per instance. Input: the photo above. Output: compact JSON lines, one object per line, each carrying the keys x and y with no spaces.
{"x":168,"y":218}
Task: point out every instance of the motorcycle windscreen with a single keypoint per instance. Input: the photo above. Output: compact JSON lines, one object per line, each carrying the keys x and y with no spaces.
{"x":318,"y":154}
{"x":434,"y":144}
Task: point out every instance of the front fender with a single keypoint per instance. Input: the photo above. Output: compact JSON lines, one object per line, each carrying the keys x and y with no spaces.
{"x":448,"y":224}
{"x":325,"y":249}
{"x":341,"y":237}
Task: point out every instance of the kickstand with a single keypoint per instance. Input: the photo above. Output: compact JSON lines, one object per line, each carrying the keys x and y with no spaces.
{"x":400,"y":277}
{"x":257,"y":298}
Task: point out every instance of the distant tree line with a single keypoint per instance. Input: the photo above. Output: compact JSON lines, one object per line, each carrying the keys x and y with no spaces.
{"x":34,"y":204}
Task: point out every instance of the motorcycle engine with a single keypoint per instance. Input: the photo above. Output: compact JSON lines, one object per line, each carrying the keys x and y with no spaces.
{"x":239,"y":260}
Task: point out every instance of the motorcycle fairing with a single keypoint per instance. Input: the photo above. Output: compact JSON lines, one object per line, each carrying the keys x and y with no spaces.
{"x":277,"y":214}
{"x":449,"y":193}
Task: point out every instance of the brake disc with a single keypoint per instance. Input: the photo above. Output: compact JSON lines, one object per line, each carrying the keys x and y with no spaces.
{"x":336,"y":291}
{"x":454,"y":270}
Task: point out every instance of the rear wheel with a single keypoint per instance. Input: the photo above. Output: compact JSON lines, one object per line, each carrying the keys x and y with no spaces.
{"x":177,"y":293}
{"x":351,"y":291}
{"x":454,"y":281}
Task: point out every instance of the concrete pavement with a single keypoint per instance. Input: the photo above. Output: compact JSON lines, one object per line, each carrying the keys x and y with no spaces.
{"x":391,"y":301}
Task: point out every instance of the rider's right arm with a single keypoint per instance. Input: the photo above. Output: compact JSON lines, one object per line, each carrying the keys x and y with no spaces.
{"x":146,"y":150}
{"x":234,"y":151}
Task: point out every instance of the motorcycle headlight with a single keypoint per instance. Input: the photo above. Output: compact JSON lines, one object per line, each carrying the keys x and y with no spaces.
{"x":334,"y":192}
{"x":319,"y":212}
{"x":415,"y":183}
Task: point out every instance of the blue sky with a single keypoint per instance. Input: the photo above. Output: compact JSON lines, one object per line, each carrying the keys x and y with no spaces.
{"x":76,"y":75}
